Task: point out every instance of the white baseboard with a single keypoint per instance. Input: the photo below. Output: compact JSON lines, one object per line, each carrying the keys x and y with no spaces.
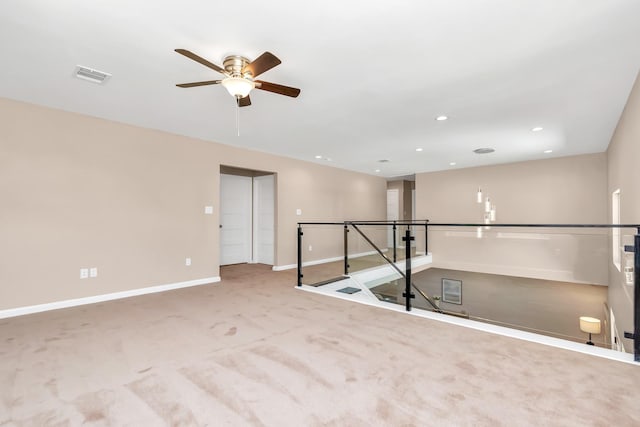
{"x":20,"y":311}
{"x":323,"y":261}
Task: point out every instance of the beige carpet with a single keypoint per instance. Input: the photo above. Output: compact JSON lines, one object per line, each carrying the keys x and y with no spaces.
{"x":254,"y":351}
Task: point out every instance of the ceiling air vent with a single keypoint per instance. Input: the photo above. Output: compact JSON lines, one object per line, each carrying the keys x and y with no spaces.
{"x":91,"y":75}
{"x":483,"y":150}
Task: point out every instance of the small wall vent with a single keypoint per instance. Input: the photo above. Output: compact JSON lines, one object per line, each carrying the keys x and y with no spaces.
{"x":89,"y":74}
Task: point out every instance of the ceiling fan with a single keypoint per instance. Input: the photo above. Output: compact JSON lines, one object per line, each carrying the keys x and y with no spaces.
{"x":239,"y":76}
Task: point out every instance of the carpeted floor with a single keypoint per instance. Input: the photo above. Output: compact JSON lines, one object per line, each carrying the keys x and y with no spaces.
{"x":254,"y":351}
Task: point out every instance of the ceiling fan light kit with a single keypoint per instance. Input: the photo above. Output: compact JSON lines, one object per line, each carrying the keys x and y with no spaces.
{"x":238,"y":87}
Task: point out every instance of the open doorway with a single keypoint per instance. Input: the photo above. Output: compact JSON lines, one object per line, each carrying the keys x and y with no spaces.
{"x":401,"y":205}
{"x":247,"y":216}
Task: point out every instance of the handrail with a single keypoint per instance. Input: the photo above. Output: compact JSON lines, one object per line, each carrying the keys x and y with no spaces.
{"x":438,"y":224}
{"x":425,"y":296}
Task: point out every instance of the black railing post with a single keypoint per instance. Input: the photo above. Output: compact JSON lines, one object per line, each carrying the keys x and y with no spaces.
{"x":407,"y":287}
{"x":346,"y":249}
{"x":395,"y":258}
{"x":426,"y":237}
{"x":300,"y":255}
{"x":636,"y":297}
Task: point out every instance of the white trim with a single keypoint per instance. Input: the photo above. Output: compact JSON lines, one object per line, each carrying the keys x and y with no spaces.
{"x":284,"y":267}
{"x":323,"y":261}
{"x":20,"y":311}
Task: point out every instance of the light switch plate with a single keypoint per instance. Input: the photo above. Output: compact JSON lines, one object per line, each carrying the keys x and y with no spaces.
{"x":84,"y":273}
{"x":208,"y":210}
{"x":298,"y":212}
{"x":93,"y":272}
{"x":187,"y":262}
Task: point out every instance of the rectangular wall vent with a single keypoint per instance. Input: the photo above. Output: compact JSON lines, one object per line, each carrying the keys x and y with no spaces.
{"x":91,"y":75}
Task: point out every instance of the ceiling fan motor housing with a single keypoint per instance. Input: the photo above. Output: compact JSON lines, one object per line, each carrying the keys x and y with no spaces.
{"x":234,"y":65}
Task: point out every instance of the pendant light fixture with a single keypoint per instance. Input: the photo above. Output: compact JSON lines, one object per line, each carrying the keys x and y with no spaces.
{"x":489,"y":214}
{"x":487,"y":220}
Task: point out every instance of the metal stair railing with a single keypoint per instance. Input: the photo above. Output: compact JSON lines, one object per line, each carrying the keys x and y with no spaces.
{"x":392,"y":264}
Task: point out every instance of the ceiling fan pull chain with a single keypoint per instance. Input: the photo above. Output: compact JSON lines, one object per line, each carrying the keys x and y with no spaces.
{"x":238,"y":115}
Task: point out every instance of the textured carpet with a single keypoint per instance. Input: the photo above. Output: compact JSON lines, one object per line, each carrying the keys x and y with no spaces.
{"x":254,"y":351}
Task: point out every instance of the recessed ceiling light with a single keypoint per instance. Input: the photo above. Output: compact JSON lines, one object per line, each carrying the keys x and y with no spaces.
{"x":383,"y":161}
{"x":486,"y":150}
{"x":547,"y":151}
{"x":377,"y":170}
{"x":536,"y":129}
{"x":441,"y":118}
{"x":318,"y":157}
{"x":328,"y":159}
{"x":452,"y":163}
{"x":418,"y":149}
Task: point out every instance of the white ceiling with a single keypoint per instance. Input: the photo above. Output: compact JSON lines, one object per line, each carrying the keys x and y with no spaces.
{"x":373,"y":74}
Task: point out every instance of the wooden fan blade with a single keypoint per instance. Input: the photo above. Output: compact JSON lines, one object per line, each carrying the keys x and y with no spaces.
{"x":194,"y":84}
{"x":244,"y":102}
{"x":201,"y":60}
{"x":279,"y":89}
{"x":262,"y":63}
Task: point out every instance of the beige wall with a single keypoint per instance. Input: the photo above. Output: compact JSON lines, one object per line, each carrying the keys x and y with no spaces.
{"x":623,"y":157}
{"x":77,"y":191}
{"x":560,"y":190}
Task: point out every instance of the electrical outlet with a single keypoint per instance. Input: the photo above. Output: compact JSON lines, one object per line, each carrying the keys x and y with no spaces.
{"x":187,"y":262}
{"x":298,"y":212}
{"x":310,"y":248}
{"x":93,"y":272}
{"x":84,"y":273}
{"x":208,"y":210}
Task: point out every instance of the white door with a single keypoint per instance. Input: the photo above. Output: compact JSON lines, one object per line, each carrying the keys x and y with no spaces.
{"x":235,"y":219}
{"x":393,"y":212}
{"x":263,"y":227}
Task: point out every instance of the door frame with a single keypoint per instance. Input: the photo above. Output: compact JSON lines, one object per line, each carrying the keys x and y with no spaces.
{"x":253,"y":226}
